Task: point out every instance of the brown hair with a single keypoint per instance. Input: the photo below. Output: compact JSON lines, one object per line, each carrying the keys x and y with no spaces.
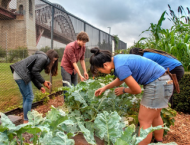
{"x":139,"y":51}
{"x":83,"y":36}
{"x":52,"y":67}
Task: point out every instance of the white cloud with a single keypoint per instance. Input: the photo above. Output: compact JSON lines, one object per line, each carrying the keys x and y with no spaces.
{"x":127,"y":18}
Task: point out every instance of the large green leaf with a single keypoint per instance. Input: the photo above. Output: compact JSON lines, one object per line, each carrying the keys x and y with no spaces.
{"x":127,"y":134}
{"x":108,"y":126}
{"x":69,"y":126}
{"x":145,"y":132}
{"x":4,"y":138}
{"x":6,"y":122}
{"x":34,"y":117}
{"x":61,"y":139}
{"x":89,"y":136}
{"x":121,"y":142}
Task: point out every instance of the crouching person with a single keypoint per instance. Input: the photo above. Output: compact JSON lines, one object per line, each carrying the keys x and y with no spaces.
{"x":28,"y":70}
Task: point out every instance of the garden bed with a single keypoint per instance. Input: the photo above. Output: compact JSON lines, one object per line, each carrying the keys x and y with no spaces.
{"x":178,"y":133}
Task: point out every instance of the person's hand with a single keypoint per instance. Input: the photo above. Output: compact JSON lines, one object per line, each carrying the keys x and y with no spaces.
{"x":42,"y":90}
{"x":119,"y":91}
{"x":82,"y":78}
{"x":86,"y":75}
{"x":47,"y":84}
{"x":99,"y":91}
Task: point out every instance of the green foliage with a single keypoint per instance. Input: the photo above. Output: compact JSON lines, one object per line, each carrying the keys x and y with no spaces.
{"x":90,"y":115}
{"x":81,"y":98}
{"x":45,"y":49}
{"x":108,"y":126}
{"x":60,"y":51}
{"x":58,"y":128}
{"x":168,"y":115}
{"x":181,"y":101}
{"x":38,"y":96}
{"x":17,"y":54}
{"x":174,"y":41}
{"x":116,"y":40}
{"x":2,"y":52}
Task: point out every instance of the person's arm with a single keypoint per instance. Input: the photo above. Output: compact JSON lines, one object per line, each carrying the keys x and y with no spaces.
{"x":37,"y":68}
{"x":82,"y":62}
{"x":37,"y":78}
{"x":78,"y":71}
{"x":133,"y":87}
{"x":39,"y":86}
{"x":113,"y":84}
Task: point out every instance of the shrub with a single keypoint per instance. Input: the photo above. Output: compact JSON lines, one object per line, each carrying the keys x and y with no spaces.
{"x":182,"y":100}
{"x":2,"y":52}
{"x":18,"y":54}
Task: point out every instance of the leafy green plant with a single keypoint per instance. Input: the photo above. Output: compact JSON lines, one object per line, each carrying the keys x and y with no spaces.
{"x":18,"y":54}
{"x":81,"y":98}
{"x":116,"y":40}
{"x":174,"y":41}
{"x":168,"y":115}
{"x":39,"y":96}
{"x":2,"y":52}
{"x":181,"y":101}
{"x":58,"y":128}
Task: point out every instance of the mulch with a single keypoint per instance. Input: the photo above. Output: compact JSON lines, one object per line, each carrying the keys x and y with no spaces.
{"x":179,"y":133}
{"x":56,"y":102}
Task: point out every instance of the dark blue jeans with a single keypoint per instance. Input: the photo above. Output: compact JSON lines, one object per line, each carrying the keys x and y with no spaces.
{"x":71,"y":78}
{"x":27,"y":94}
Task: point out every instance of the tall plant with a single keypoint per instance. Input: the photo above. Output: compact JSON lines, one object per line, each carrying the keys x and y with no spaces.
{"x":175,"y":40}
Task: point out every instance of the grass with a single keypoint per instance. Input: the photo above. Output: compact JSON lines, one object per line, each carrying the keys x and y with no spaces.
{"x":10,"y":96}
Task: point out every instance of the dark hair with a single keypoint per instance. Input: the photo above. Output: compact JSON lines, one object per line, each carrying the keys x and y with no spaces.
{"x":53,"y":67}
{"x":83,"y":36}
{"x":139,"y":51}
{"x":99,"y":58}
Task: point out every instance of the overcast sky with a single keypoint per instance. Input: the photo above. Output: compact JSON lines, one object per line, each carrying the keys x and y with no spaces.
{"x":127,"y":18}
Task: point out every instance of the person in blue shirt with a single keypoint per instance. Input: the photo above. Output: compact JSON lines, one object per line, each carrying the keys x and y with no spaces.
{"x":164,"y":59}
{"x":134,"y":70}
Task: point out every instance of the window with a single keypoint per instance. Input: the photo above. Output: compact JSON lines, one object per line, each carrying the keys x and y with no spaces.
{"x":30,"y":7}
{"x":21,"y":10}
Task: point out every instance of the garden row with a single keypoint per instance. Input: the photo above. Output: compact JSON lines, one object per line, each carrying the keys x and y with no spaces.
{"x":106,"y":117}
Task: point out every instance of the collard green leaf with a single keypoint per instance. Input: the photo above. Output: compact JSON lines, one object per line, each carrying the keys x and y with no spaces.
{"x":108,"y":126}
{"x":69,"y":126}
{"x":121,"y":142}
{"x":4,"y":138}
{"x":144,"y":133}
{"x":62,"y":139}
{"x":34,"y":117}
{"x":79,"y":98}
{"x":6,"y":122}
{"x":89,"y":136}
{"x":127,"y":134}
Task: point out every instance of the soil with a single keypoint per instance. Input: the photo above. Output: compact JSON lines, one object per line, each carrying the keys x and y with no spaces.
{"x":179,"y":133}
{"x":56,"y":102}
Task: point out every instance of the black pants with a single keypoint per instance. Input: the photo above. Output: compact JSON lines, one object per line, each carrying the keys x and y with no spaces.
{"x":179,"y":71}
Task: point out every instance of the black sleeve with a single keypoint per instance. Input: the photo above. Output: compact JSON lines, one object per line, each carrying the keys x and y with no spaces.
{"x":37,"y":68}
{"x":36,"y":83}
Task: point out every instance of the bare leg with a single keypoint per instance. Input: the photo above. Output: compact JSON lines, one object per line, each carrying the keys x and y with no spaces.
{"x":25,"y":121}
{"x":146,"y":118}
{"x":158,"y":134}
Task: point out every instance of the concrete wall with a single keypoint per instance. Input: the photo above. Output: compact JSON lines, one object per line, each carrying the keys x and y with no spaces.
{"x":20,"y":32}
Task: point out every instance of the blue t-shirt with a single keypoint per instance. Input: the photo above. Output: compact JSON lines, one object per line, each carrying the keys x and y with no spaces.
{"x":166,"y":62}
{"x":143,"y":70}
